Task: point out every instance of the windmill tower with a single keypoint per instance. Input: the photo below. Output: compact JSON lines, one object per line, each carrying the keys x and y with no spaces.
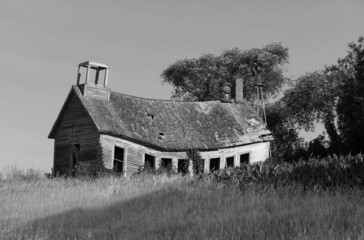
{"x":256,"y":66}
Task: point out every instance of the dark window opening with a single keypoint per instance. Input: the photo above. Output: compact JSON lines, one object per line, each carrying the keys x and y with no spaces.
{"x":244,"y":159}
{"x":118,"y":159}
{"x":149,"y":161}
{"x":214,"y":164}
{"x":166,"y":163}
{"x":183,"y":165}
{"x":118,"y":166}
{"x":230,"y":162}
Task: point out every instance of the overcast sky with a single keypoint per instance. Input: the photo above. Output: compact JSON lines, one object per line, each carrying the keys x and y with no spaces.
{"x":42,"y":42}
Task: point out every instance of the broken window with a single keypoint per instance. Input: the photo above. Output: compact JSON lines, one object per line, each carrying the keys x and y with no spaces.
{"x":118,"y":159}
{"x":230,"y":161}
{"x":214,"y":164}
{"x":166,"y":163}
{"x":183,"y":166}
{"x":244,"y":158}
{"x":149,"y":161}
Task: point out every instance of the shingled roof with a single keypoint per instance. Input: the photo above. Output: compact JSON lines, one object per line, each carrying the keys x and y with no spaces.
{"x":173,"y":125}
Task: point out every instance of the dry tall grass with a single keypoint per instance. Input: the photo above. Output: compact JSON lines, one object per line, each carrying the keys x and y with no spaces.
{"x":160,"y":207}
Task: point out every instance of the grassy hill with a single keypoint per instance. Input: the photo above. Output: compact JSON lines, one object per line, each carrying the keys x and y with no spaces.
{"x":175,"y":207}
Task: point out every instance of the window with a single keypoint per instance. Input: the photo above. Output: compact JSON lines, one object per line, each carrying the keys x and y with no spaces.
{"x":214,"y":164}
{"x":244,"y":159}
{"x":230,"y":162}
{"x":118,"y":159}
{"x":166,"y":163}
{"x":149,"y":161}
{"x":183,"y":166}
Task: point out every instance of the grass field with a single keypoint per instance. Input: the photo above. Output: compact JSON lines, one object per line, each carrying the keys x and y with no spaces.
{"x":160,"y":207}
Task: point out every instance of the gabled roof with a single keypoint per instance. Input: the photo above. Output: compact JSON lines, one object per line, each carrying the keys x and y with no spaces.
{"x":173,"y":125}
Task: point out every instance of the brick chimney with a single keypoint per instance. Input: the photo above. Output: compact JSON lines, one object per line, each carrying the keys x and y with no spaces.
{"x":238,"y":86}
{"x":225,"y":90}
{"x":94,"y":87}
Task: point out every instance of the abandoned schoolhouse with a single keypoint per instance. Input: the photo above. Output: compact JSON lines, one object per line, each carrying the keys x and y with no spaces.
{"x":126,"y":132}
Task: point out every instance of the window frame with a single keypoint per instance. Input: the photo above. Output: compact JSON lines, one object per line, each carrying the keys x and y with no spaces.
{"x":160,"y":162}
{"x":232,"y":156}
{"x":155,"y":160}
{"x":243,"y":153}
{"x":188,"y":165}
{"x":209,"y":166}
{"x":124,"y":156}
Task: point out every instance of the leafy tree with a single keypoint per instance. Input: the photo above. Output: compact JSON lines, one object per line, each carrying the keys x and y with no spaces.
{"x":334,"y":97}
{"x":309,"y":100}
{"x":312,"y":100}
{"x":197,"y":161}
{"x":287,"y":145}
{"x":347,"y":76}
{"x":199,"y":79}
{"x":317,"y":148}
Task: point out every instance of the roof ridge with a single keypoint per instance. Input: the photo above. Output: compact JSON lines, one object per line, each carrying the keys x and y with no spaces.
{"x":162,"y":100}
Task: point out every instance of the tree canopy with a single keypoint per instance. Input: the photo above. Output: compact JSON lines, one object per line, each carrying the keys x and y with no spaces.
{"x":335,"y":97}
{"x":199,"y":79}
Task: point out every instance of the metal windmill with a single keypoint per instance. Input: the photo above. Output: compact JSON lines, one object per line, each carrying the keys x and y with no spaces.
{"x":256,"y":65}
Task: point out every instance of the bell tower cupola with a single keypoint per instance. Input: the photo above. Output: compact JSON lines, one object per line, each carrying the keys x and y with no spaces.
{"x":92,"y":79}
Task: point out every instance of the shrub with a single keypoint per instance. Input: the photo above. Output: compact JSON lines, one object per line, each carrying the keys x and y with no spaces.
{"x":147,"y":170}
{"x":324,"y":173}
{"x":15,"y":173}
{"x":197,"y":161}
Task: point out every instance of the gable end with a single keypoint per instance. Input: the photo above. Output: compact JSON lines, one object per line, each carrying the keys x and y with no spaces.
{"x":72,"y":99}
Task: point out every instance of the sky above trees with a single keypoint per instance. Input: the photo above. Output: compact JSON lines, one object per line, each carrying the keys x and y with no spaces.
{"x":42,"y":42}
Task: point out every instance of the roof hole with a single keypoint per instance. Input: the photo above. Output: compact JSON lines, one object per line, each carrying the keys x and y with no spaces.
{"x":161,"y":136}
{"x":151,"y":116}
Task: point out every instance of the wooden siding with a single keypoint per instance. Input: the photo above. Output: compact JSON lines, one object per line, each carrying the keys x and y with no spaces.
{"x":61,"y":157}
{"x":76,"y":127}
{"x":134,"y":157}
{"x":95,"y":91}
